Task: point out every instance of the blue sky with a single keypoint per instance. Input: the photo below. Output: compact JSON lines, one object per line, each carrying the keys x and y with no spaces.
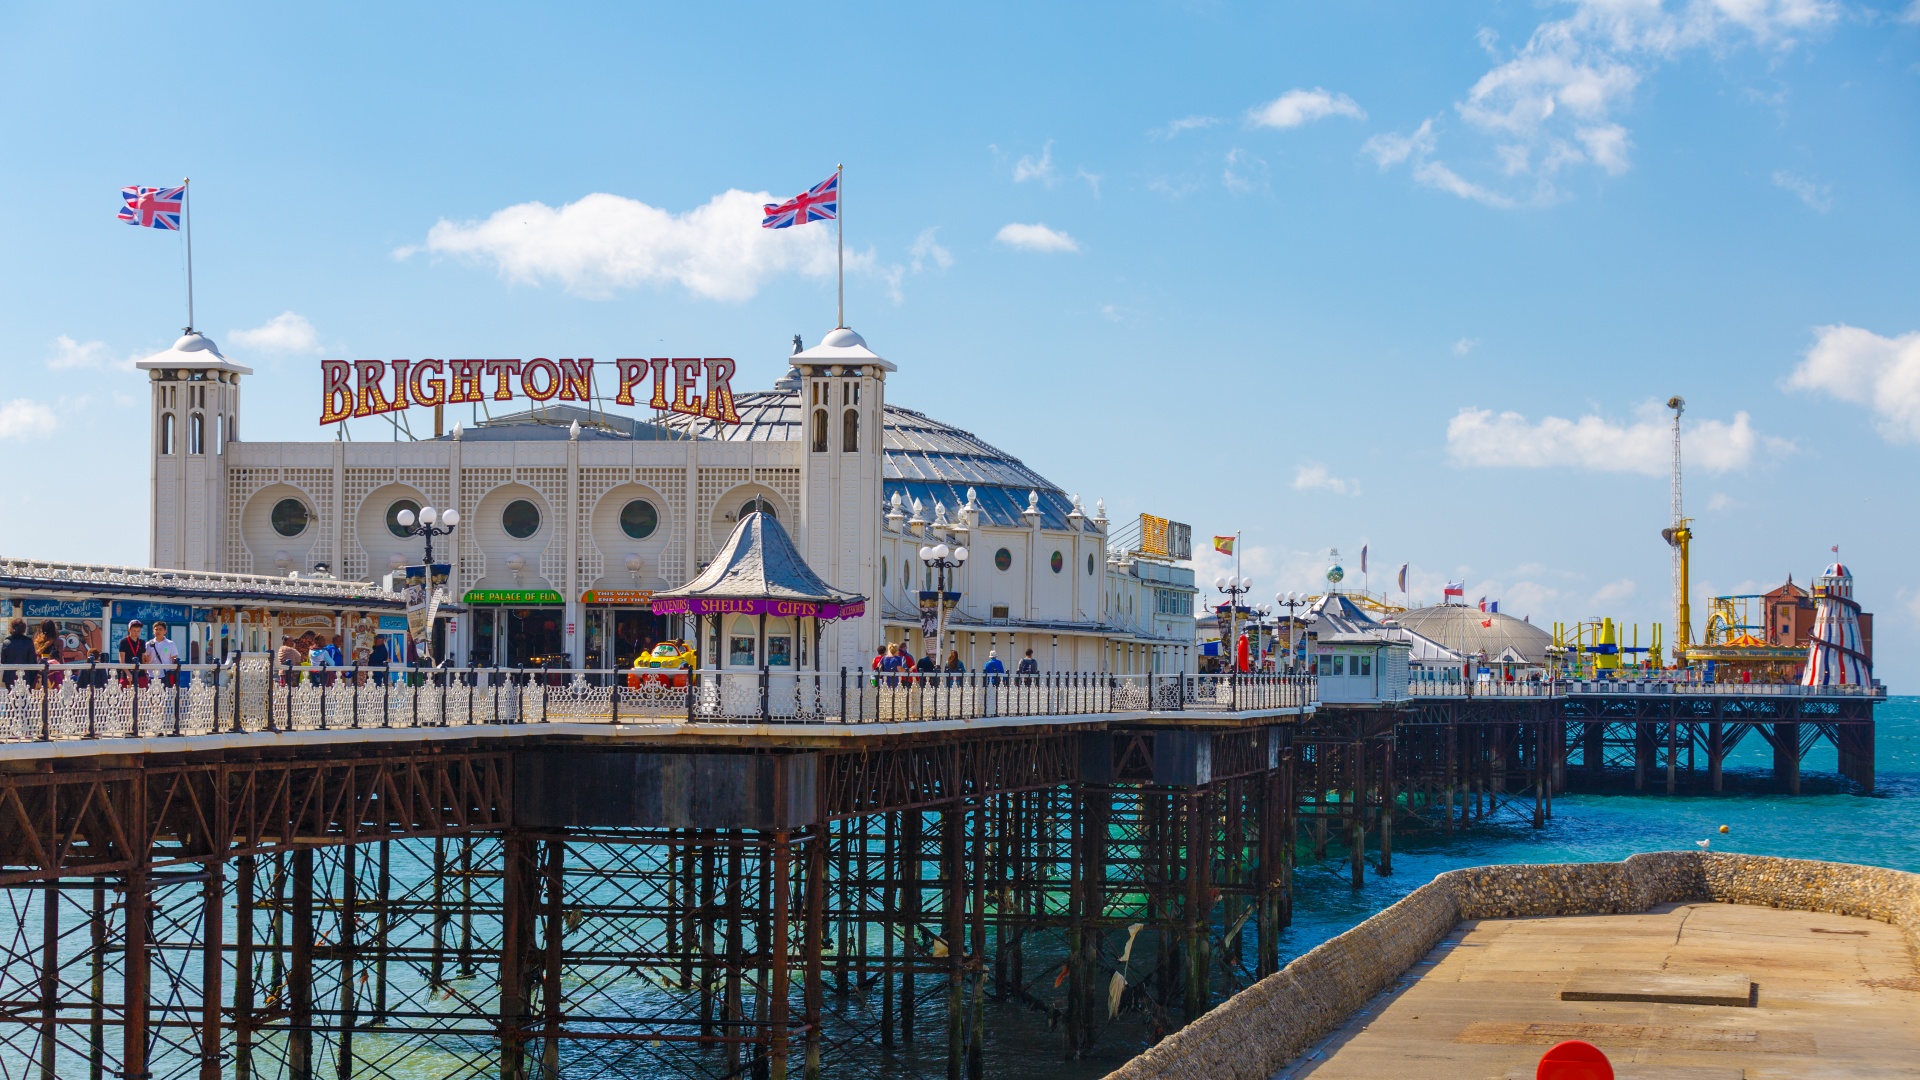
{"x":1416,"y":277}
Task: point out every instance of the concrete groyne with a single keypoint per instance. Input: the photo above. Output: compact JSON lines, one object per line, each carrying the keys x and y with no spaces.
{"x":1262,"y":1028}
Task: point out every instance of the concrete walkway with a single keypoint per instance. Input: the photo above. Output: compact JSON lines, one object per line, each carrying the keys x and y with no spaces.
{"x":1837,"y":998}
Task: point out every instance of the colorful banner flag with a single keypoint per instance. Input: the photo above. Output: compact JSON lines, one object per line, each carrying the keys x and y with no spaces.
{"x":821,"y":202}
{"x":1455,"y":588}
{"x":152,"y":207}
{"x":1223,"y":544}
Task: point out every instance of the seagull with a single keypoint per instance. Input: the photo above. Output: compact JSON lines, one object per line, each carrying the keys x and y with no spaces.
{"x":1704,"y":843}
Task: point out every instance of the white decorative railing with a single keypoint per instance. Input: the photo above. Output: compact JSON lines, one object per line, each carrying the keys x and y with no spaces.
{"x":189,"y":582}
{"x":113,"y":701}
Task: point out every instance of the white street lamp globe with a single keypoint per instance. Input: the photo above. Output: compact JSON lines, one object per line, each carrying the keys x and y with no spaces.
{"x":940,"y":552}
{"x":428,"y":515}
{"x":450,"y":518}
{"x":1220,"y":583}
{"x":960,"y":554}
{"x":926,"y":553}
{"x":1246,"y":583}
{"x":516,"y":563}
{"x":404,"y":517}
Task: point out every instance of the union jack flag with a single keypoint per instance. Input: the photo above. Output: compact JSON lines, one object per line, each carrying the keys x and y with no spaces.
{"x":821,"y":202}
{"x":152,"y":207}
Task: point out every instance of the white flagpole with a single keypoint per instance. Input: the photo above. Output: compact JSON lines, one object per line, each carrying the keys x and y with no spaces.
{"x":840,"y":236}
{"x":186,"y":211}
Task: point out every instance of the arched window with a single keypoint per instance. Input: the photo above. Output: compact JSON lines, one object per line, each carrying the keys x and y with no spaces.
{"x":758,"y":505}
{"x":166,"y":433}
{"x":850,"y":435}
{"x":819,"y":431}
{"x":219,"y":434}
{"x":197,"y":434}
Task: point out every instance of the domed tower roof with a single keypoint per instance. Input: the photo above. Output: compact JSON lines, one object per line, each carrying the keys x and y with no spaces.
{"x":921,"y":458}
{"x":1471,"y":631}
{"x":194,"y":351}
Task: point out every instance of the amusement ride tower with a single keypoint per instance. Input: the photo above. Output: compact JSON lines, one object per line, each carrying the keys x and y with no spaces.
{"x":1835,"y":656}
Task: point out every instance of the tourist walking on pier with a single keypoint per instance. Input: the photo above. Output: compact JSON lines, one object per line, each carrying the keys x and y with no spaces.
{"x":993,"y":668}
{"x":1028,"y":665}
{"x":17,"y":651}
{"x":132,"y":650}
{"x":46,"y":646}
{"x":378,"y":658}
{"x":161,"y":651}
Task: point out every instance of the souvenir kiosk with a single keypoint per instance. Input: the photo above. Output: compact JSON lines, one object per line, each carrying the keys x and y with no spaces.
{"x":757,"y":610}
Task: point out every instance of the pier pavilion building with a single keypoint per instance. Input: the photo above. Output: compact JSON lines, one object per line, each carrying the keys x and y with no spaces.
{"x":573,"y":516}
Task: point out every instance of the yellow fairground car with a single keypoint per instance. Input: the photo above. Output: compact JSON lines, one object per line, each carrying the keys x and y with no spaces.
{"x":667,"y":663}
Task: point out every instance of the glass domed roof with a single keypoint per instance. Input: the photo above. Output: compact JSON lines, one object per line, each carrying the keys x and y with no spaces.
{"x":921,"y":458}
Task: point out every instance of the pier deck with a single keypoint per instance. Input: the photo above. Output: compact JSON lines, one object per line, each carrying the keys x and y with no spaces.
{"x":1837,"y":998}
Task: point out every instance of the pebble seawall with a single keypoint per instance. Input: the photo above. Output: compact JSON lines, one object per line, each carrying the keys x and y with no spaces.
{"x":1259,"y":1030}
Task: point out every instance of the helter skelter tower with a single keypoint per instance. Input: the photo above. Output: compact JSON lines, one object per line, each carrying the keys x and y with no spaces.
{"x":1835,"y":656}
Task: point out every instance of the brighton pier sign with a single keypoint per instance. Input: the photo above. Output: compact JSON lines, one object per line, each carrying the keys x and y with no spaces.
{"x":352,"y":388}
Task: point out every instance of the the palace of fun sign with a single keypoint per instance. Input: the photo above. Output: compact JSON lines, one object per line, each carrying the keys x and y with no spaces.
{"x":351,"y":388}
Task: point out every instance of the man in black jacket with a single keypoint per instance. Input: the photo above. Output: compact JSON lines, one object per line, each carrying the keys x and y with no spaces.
{"x":1028,"y":665}
{"x":18,"y":649}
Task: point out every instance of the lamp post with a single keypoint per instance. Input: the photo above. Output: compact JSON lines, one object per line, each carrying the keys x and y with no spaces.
{"x":1290,"y":600}
{"x":427,"y":527}
{"x":1233,"y":588}
{"x":940,"y":558}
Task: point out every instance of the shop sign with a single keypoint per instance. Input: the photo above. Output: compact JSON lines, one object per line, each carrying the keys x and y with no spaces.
{"x":393,"y":624}
{"x":351,"y":388}
{"x":622,"y":597}
{"x":512,"y":596}
{"x":790,"y":608}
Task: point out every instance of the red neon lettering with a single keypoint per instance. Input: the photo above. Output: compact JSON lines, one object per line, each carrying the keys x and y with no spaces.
{"x":632,"y":373}
{"x":438,"y":385}
{"x":371,"y":400}
{"x":659,"y":365}
{"x":336,"y":389}
{"x":399,"y":383}
{"x":466,"y":381}
{"x":538,"y":364}
{"x":686,"y":376}
{"x":720,"y":390}
{"x":576,"y":379}
{"x":502,"y":369}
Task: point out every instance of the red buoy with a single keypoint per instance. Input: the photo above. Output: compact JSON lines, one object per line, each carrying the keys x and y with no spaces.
{"x":1574,"y":1060}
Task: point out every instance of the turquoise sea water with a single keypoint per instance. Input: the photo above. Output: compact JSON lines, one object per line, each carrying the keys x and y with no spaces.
{"x":1882,"y":829}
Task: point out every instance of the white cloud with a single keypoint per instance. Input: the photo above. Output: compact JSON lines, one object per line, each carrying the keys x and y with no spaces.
{"x":1480,"y":438}
{"x":285,"y":332}
{"x":1244,"y":173}
{"x":1551,"y":104}
{"x":1194,"y":123}
{"x":1042,"y":170}
{"x":1862,"y":368}
{"x":24,"y":418}
{"x":1614,"y":591}
{"x":1391,"y":148}
{"x":69,"y":355}
{"x":603,"y":243}
{"x":1297,"y":107}
{"x":1911,"y":15}
{"x":1092,"y":178}
{"x":1818,"y":197}
{"x":1314,"y":476}
{"x":1722,"y":501}
{"x":927,"y":250}
{"x":1464,"y":346}
{"x":1035,"y":237}
{"x":1113,"y":312}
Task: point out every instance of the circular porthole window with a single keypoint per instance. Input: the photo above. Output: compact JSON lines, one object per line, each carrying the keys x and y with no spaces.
{"x":521,"y":519}
{"x":1057,"y":562}
{"x":290,"y":517}
{"x":638,"y":519}
{"x":1003,"y":559}
{"x":393,"y":516}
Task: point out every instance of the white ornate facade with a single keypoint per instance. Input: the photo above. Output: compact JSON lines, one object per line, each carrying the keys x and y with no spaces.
{"x":570,"y":514}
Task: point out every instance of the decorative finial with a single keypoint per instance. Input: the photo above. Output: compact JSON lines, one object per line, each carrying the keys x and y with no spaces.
{"x":1033,"y":502}
{"x":456,"y":430}
{"x":796,"y":344}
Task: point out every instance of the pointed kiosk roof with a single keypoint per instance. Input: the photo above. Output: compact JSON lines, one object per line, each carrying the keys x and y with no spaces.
{"x":758,"y":571}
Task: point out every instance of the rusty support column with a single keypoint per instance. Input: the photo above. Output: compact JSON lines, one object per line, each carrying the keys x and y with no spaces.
{"x":243,"y":990}
{"x":815,"y":933}
{"x":1198,"y":941}
{"x":778,"y":954}
{"x":97,"y":984}
{"x":50,"y":981}
{"x":213,"y":923}
{"x":1389,"y":795}
{"x":953,"y":928}
{"x":1786,"y":755}
{"x":1673,"y":755}
{"x":349,"y":988}
{"x":382,"y":930}
{"x":517,"y":893}
{"x":299,"y":989}
{"x":555,"y":926}
{"x":910,"y":823}
{"x":1357,"y":811}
